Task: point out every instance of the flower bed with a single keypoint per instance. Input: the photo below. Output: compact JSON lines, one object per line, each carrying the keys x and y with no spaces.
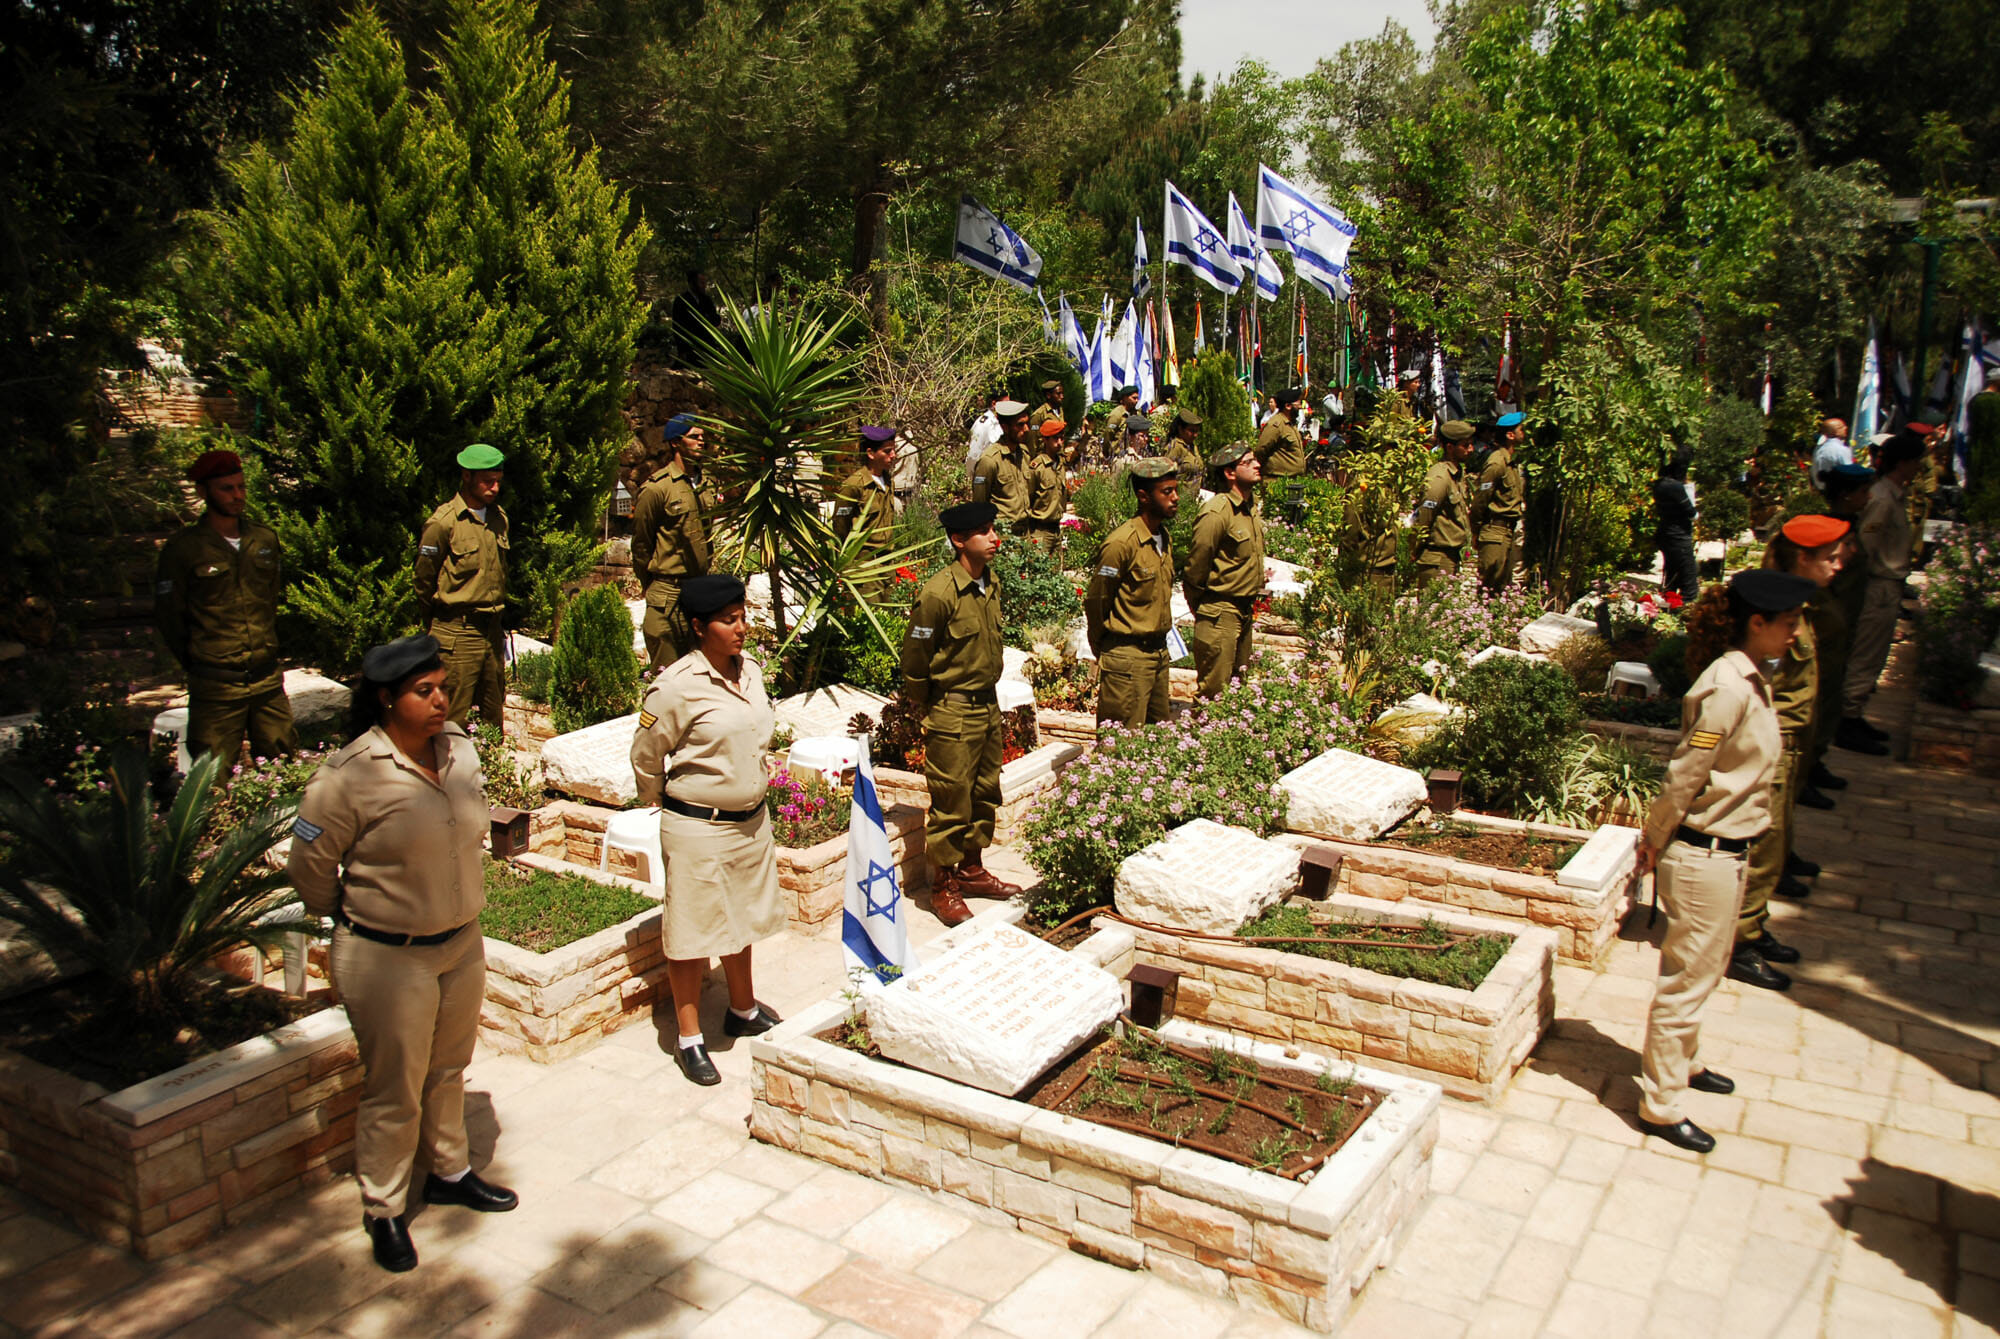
{"x":1468,"y":1040}
{"x":1301,"y":1250}
{"x":164,"y":1165}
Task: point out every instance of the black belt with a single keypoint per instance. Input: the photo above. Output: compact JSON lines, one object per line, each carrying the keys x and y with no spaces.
{"x":708,"y":813}
{"x":470,"y":616}
{"x":219,"y":674}
{"x":976,"y":696}
{"x":1156,"y":642}
{"x":393,"y":940}
{"x":1731,"y":845}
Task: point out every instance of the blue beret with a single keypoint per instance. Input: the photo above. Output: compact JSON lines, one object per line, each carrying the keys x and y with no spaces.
{"x":677,"y":426}
{"x":1509,"y":420}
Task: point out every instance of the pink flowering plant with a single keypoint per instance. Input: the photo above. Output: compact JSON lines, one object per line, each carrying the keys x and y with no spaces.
{"x":804,"y":810}
{"x":1220,"y":761}
{"x":1959,"y":615}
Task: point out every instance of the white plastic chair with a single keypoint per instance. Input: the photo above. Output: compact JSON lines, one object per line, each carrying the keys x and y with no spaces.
{"x":832,"y":756}
{"x":636,"y":830}
{"x":1631,"y":678}
{"x":173,"y":723}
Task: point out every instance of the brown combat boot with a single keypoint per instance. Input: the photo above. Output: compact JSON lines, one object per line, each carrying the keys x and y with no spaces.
{"x":974,"y":878}
{"x":946,"y":902}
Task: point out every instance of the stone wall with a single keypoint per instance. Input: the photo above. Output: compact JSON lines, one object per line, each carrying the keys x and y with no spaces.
{"x":529,"y":724}
{"x":1022,"y":782}
{"x":164,"y":1165}
{"x":1659,"y":742}
{"x":1955,"y":740}
{"x":1468,"y":1041}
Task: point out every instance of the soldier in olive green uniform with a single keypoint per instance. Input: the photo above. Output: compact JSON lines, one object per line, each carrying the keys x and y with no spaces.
{"x":1832,"y":612}
{"x":951,"y":662}
{"x":1000,"y":476}
{"x":215,"y":603}
{"x":1050,"y":407}
{"x":1125,"y":404}
{"x":461,"y":580}
{"x":1441,"y":522}
{"x":865,"y":499}
{"x":1498,"y":506}
{"x":670,"y":543}
{"x":1281,"y":454}
{"x":1180,"y":449}
{"x":1128,"y":609}
{"x":1048,"y":495}
{"x":1225,"y":570}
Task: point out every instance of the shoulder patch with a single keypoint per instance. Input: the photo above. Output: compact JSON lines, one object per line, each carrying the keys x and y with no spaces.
{"x":163,"y":587}
{"x":647,"y":720}
{"x":306,"y":831}
{"x":921,"y":634}
{"x":1704,"y":739}
{"x":1107,"y":571}
{"x":427,"y":549}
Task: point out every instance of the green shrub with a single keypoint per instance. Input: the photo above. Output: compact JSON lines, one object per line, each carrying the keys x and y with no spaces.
{"x":531,"y":674}
{"x":1209,"y":386}
{"x":1669,"y":663}
{"x":508,"y":784}
{"x":1519,"y":714}
{"x":1033,"y":592}
{"x":593,"y":672}
{"x":1724,"y":514}
{"x":1958,"y":616}
{"x":1597,"y":781}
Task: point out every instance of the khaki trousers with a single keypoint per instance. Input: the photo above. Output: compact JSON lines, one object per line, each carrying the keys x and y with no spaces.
{"x":1133,"y":686}
{"x":668,"y":634}
{"x":1873,"y":633}
{"x":1766,"y":863}
{"x":475,"y":672}
{"x":962,"y":768}
{"x":1223,"y":633}
{"x":218,"y":720}
{"x":1701,"y":891}
{"x":415,"y":1013}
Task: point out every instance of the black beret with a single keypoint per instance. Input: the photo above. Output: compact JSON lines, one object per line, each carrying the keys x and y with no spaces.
{"x":1769,"y":591}
{"x":392,"y":662}
{"x":1287,"y":397}
{"x":968,"y":517}
{"x":706,"y":596}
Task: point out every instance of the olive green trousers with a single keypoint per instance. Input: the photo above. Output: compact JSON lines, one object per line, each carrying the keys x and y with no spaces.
{"x":962,"y":769}
{"x":220,"y":716}
{"x":475,"y":672}
{"x":1133,"y":687}
{"x":1223,"y":633}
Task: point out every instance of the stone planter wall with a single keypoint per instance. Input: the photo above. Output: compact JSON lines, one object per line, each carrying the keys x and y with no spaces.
{"x":529,"y":724}
{"x":164,"y":1165}
{"x":1301,"y":1251}
{"x":1067,"y":727}
{"x":549,"y":1006}
{"x":1582,"y":904}
{"x":1955,"y":740}
{"x":1022,"y":782}
{"x":1468,"y":1041}
{"x":1646,"y":738}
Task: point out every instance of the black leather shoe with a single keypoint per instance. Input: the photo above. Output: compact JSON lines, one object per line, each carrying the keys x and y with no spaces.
{"x":694,"y":1063}
{"x":1748,"y":966}
{"x":1825,"y":779}
{"x":750,"y":1027}
{"x":390,"y":1237}
{"x":1858,"y":741}
{"x":1683,"y":1134}
{"x":1708,"y":1081}
{"x":1792,"y":888}
{"x":1770,"y":949}
{"x":1811,"y":798}
{"x":1801,"y":868}
{"x":469,"y":1192}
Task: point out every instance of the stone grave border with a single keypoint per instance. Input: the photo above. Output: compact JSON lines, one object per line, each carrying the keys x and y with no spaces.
{"x":1022,"y":782}
{"x":164,"y":1165}
{"x":1469,"y":1041}
{"x":1301,"y":1252}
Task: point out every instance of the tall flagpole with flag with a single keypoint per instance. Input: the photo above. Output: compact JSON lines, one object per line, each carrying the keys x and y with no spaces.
{"x":987,"y":244}
{"x":875,"y":921}
{"x":1868,"y":392}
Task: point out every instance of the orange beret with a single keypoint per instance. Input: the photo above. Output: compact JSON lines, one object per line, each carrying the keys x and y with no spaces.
{"x":1053,"y":427}
{"x":1813,"y":531}
{"x":215,"y":465}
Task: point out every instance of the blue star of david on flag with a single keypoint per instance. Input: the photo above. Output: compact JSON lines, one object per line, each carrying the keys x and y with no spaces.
{"x":1289,"y":219}
{"x":873,"y":934}
{"x":1207,"y":241}
{"x":868,"y":882}
{"x":996,"y":242}
{"x":989,"y":245}
{"x":1196,"y":243}
{"x":1299,"y":225}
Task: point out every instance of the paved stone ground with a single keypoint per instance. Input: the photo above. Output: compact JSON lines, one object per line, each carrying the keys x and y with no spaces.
{"x":1855,"y":1189}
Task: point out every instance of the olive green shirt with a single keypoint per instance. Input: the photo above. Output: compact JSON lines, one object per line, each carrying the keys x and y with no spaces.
{"x":863,"y":499}
{"x":1001,"y":477}
{"x":953,"y":644}
{"x":1185,"y":460}
{"x":1280,"y":449}
{"x":216,"y":606}
{"x":1795,"y":682}
{"x":1131,"y":585}
{"x":1440,"y":520}
{"x":1042,"y":414}
{"x":669,"y":536}
{"x":1048,"y":497}
{"x":461,"y":562}
{"x":1502,"y":496}
{"x":1227,"y":555}
{"x":1114,"y":431}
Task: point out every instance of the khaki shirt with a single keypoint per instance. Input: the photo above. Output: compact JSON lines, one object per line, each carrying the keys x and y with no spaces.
{"x":1001,"y":477}
{"x":1280,"y":449}
{"x":1227,"y":555}
{"x":953,"y":643}
{"x":1131,"y":585}
{"x":216,"y":606}
{"x":702,"y":739}
{"x":392,"y":848}
{"x":864,"y":499}
{"x":1048,"y":497}
{"x":1440,"y":519}
{"x":1885,"y":532}
{"x":1719,"y":779}
{"x":461,"y":562}
{"x":669,"y":536}
{"x":1502,"y":496}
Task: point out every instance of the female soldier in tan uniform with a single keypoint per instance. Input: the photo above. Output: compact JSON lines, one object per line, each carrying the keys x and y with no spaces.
{"x":704,"y":735}
{"x":387,"y":842}
{"x":1716,"y":801}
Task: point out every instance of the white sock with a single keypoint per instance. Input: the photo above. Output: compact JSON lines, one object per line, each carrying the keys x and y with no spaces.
{"x":456,"y":1176}
{"x":747,"y":1015}
{"x":686,"y":1041}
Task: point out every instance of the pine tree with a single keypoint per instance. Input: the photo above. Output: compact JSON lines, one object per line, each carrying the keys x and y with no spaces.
{"x":1209,"y":387}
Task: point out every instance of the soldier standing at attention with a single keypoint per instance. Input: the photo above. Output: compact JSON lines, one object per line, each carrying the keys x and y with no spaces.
{"x":1281,"y":456}
{"x":1225,"y":570}
{"x":1048,"y":496}
{"x":461,"y":579}
{"x":1186,"y":427}
{"x":1001,"y":475}
{"x":1885,"y":549}
{"x":1440,"y":519}
{"x":1125,"y":403}
{"x":951,"y":662}
{"x":1050,"y":407}
{"x":215,"y":603}
{"x":1128,"y":609}
{"x":1499,"y":505}
{"x":670,"y":542}
{"x":865,"y":499}
{"x":1832,"y":613}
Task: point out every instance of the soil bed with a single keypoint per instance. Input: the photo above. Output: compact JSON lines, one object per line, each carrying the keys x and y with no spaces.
{"x":1426,"y":952}
{"x":75,"y":1028}
{"x":1521,"y":851}
{"x":538,"y":910}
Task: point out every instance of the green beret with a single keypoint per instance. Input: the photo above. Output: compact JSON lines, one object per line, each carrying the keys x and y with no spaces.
{"x":480,"y":456}
{"x":1228,"y":456}
{"x":1456,"y":430}
{"x":1187,"y":416}
{"x":1154,"y":468}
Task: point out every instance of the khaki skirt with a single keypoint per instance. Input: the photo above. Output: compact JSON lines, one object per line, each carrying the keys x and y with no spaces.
{"x":722,"y":885}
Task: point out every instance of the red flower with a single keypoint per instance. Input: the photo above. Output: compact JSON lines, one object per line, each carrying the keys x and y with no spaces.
{"x":906,"y":574}
{"x":1673,"y":599}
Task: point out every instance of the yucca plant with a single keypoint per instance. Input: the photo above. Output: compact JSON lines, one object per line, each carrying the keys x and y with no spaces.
{"x":139,"y":896}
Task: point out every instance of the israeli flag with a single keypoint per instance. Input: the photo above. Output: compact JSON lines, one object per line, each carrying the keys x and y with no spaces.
{"x":1868,"y":393}
{"x":1249,"y":254}
{"x":1099,"y":375}
{"x":1142,"y":280}
{"x":1073,"y":342}
{"x":874,"y":927}
{"x":1124,"y":349}
{"x":1198,"y":244}
{"x":1143,"y":355}
{"x":985,"y":243}
{"x":1317,"y":235}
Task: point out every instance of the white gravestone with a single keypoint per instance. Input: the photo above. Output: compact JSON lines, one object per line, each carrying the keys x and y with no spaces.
{"x":1205,"y":876}
{"x":995,"y":1012}
{"x":315,"y":698}
{"x":1350,"y":795}
{"x":1550,"y":631}
{"x":1494,"y":651}
{"x":594,"y":763}
{"x":826,"y":711}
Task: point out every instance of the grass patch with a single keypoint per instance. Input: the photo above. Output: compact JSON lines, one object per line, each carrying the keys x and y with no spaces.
{"x":538,"y":911}
{"x":1463,"y":965}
